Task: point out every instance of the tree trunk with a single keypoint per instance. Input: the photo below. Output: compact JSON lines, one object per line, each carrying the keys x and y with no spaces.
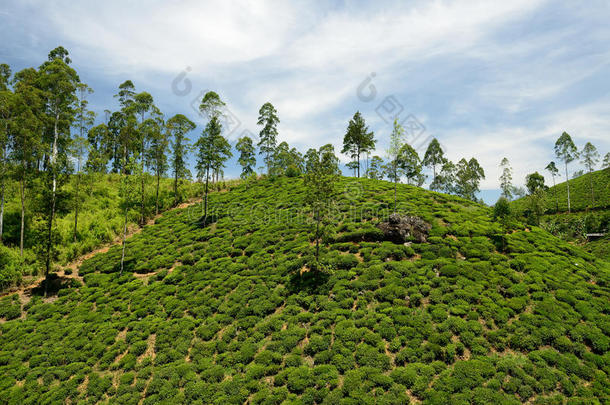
{"x":22,"y":196}
{"x":77,"y":201}
{"x":3,"y":189}
{"x":53,"y":163}
{"x":358,"y":162}
{"x":124,"y":238}
{"x":176,"y":186}
{"x":395,"y":186}
{"x":142,"y":194}
{"x":568,"y":185}
{"x":318,"y":238}
{"x":592,"y":195}
{"x":157,"y":196}
{"x":205,"y":204}
{"x":556,"y":196}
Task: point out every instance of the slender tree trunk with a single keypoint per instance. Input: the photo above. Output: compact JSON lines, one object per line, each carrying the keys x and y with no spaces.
{"x":124,"y":239}
{"x":358,"y":161}
{"x":568,"y":185}
{"x":175,"y":186}
{"x":205,"y":204}
{"x":592,"y":195}
{"x":395,"y":186}
{"x":53,"y":164}
{"x":157,"y":196}
{"x":556,"y":196}
{"x":318,"y":237}
{"x":22,"y":196}
{"x":77,"y":202}
{"x":4,"y":153}
{"x":142,"y":194}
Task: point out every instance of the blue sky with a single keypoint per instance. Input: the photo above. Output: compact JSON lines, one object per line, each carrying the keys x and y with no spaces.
{"x":488,"y":79}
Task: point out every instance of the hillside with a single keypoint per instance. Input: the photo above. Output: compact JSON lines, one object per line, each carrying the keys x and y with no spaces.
{"x":580,"y":193}
{"x":230,"y":314}
{"x":100,"y":221}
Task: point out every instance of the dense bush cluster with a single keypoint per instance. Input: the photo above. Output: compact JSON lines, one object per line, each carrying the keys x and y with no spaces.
{"x":229,"y":314}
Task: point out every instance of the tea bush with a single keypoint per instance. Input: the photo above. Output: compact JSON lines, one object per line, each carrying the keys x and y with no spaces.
{"x":232,"y":313}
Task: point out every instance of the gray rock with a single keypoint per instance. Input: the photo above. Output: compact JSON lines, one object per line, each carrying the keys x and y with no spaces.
{"x":399,"y":228}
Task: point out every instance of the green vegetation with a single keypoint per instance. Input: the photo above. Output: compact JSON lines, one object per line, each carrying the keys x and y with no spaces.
{"x":225,"y":314}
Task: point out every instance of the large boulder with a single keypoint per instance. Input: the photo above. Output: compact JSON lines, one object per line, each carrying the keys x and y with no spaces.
{"x":400,"y":228}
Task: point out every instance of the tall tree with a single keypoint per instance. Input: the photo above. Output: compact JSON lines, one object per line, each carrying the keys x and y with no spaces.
{"x":58,"y":82}
{"x":156,"y":154}
{"x":606,"y":162}
{"x":590,"y":159}
{"x":506,"y":179}
{"x":396,"y":142}
{"x":468,"y":177}
{"x":207,"y":155}
{"x":143,"y":105}
{"x":551,"y":168}
{"x":567,"y":152}
{"x":247,"y":158}
{"x":357,"y":140}
{"x":177,"y":128}
{"x":433,"y":157}
{"x":127,"y":192}
{"x":24,"y":135}
{"x":320,"y":180}
{"x":6,"y":114}
{"x":445,"y":180}
{"x":535,"y":186}
{"x":410,"y":164}
{"x":375,"y":171}
{"x":84,"y":120}
{"x":98,"y":142}
{"x":267,"y":117}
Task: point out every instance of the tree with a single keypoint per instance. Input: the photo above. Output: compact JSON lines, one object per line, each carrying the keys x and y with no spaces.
{"x":506,"y":178}
{"x":267,"y":117}
{"x":551,"y":168}
{"x":177,"y":127}
{"x":143,"y":104}
{"x":6,"y":115}
{"x":247,"y":158}
{"x":567,"y":152}
{"x":211,"y":152}
{"x":396,"y":142}
{"x":501,"y":211}
{"x":58,"y":82}
{"x":320,"y":179}
{"x":445,"y":181}
{"x":98,"y":147}
{"x":606,"y":162}
{"x":357,"y":140}
{"x":536,"y":188}
{"x":468,"y":177}
{"x":590,"y":159}
{"x":24,"y":142}
{"x":409,"y":164}
{"x":157,"y":151}
{"x":375,"y":170}
{"x":84,"y":120}
{"x":433,"y":157}
{"x":127,"y":192}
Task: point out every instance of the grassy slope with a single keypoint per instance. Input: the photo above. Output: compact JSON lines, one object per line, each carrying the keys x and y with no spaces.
{"x":100,"y":220}
{"x":580,"y":193}
{"x":215,"y":315}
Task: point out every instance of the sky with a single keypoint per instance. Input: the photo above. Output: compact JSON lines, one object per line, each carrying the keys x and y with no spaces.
{"x":487,"y":79}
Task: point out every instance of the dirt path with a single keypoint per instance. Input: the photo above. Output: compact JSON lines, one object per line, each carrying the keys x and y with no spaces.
{"x":25,"y":290}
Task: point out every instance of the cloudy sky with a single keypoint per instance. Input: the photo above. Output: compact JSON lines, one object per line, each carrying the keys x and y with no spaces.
{"x":487,"y":79}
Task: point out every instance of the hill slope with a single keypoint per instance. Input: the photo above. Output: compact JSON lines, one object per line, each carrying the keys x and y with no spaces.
{"x":217,"y":314}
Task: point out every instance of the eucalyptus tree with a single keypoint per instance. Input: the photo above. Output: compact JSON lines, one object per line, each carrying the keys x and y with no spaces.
{"x":410,"y":165}
{"x":177,"y":128}
{"x":6,"y":114}
{"x":590,"y":159}
{"x":320,"y":180}
{"x":433,"y":157}
{"x":446,"y":179}
{"x":357,"y":140}
{"x":468,"y":177}
{"x":84,"y":119}
{"x":506,"y":179}
{"x":606,"y":162}
{"x":247,"y":158}
{"x":536,"y":188}
{"x":268,"y":118}
{"x":24,"y":136}
{"x":551,"y":168}
{"x":99,"y":148}
{"x":396,"y":143}
{"x":156,"y":154}
{"x":58,"y":82}
{"x":375,"y":170}
{"x":566,"y":151}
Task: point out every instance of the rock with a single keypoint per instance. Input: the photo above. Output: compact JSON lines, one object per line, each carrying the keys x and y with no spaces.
{"x":399,"y":228}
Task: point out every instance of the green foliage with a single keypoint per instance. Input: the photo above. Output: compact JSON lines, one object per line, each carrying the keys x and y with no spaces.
{"x":215,"y":315}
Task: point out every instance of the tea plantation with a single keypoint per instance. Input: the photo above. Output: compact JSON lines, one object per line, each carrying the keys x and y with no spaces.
{"x":230,"y":313}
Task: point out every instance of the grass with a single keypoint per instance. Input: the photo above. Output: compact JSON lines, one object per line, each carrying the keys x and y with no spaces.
{"x":229,"y":314}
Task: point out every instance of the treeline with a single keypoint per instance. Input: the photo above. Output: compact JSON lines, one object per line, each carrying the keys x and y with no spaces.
{"x":536,"y":192}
